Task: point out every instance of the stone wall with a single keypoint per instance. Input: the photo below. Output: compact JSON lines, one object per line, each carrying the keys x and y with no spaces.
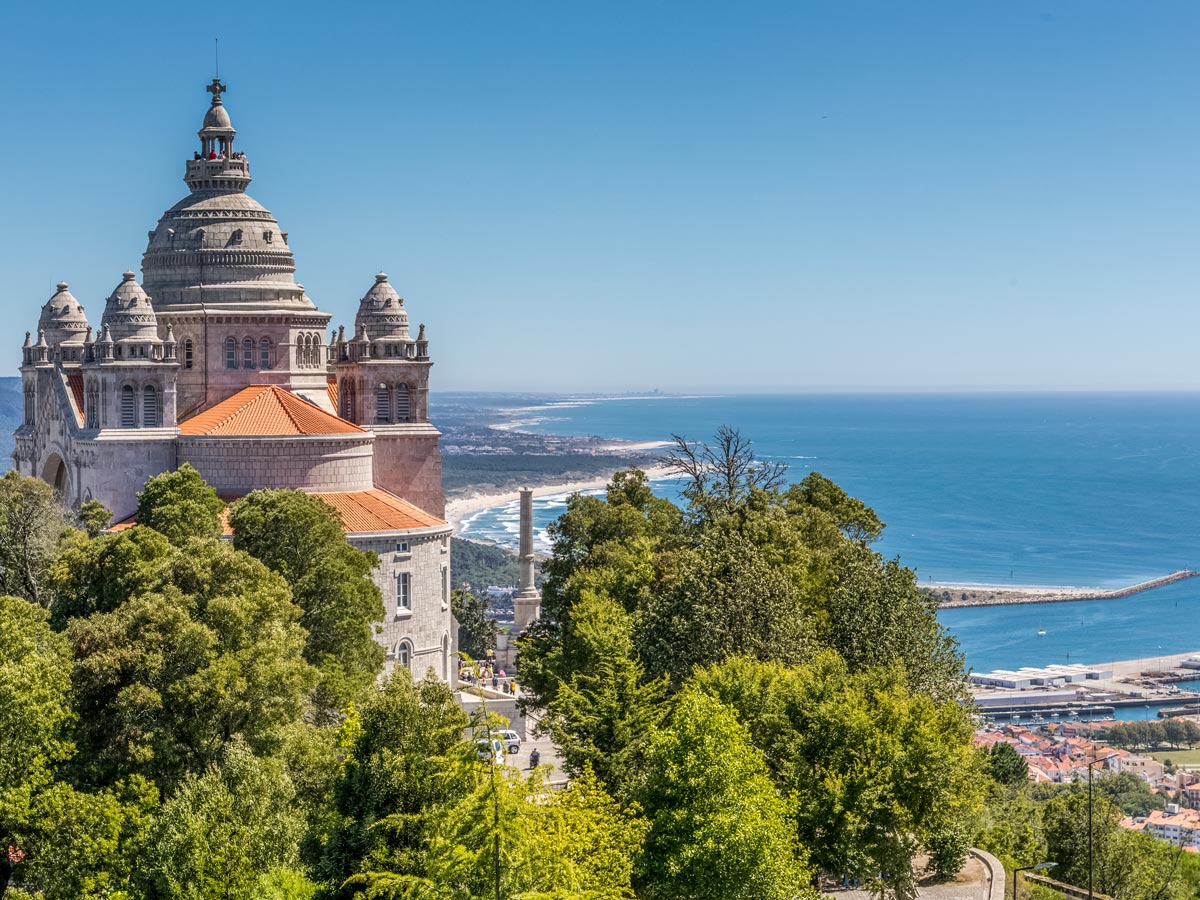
{"x":408,"y":463}
{"x":237,"y":465}
{"x":427,"y":626}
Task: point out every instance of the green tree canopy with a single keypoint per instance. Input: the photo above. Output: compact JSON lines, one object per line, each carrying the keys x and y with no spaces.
{"x":719,"y":830}
{"x":180,"y":505}
{"x":99,"y":574}
{"x":165,"y":680}
{"x":301,"y":537}
{"x":35,"y":714}
{"x":223,"y":831}
{"x":406,"y":760}
{"x":32,"y":523}
{"x":1006,"y":765}
{"x":476,"y":631}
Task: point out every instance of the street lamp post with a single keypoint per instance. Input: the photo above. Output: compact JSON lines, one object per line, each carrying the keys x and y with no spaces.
{"x":1037,"y":868}
{"x":1091,"y":832}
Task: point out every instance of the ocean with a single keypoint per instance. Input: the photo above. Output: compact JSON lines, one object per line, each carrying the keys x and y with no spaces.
{"x":1089,"y":490}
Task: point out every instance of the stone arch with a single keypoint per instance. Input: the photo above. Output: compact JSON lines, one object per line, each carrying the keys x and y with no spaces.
{"x":56,"y":474}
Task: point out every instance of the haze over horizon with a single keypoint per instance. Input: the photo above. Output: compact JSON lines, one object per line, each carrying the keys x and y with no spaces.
{"x":684,"y":197}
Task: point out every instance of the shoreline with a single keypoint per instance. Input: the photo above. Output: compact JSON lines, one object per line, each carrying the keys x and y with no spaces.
{"x":458,"y":508}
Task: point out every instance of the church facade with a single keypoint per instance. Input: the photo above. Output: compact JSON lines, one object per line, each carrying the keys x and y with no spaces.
{"x":218,"y":358}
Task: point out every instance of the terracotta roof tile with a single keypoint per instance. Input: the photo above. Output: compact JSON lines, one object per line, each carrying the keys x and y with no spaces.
{"x":377,"y":510}
{"x":75,"y":385}
{"x":331,"y":386}
{"x":265,"y":409}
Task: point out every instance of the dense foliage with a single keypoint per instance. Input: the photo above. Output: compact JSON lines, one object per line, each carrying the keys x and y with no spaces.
{"x":743,"y":691}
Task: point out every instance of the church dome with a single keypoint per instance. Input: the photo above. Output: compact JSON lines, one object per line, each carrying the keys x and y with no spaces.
{"x":381,"y":312}
{"x":128,"y":315}
{"x":217,"y":117}
{"x":62,"y":319}
{"x":218,"y":246}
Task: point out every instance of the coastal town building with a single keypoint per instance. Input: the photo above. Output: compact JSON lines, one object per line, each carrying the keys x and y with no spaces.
{"x":218,"y":358}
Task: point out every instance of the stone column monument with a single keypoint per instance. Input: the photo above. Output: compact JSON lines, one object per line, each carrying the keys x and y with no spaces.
{"x":527,"y":604}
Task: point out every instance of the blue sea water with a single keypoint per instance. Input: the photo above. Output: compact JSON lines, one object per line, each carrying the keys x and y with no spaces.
{"x":1095,"y":490}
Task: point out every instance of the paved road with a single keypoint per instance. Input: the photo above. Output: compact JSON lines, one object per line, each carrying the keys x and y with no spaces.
{"x":972,"y":883}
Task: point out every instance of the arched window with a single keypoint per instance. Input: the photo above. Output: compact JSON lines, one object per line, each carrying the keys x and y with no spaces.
{"x":128,"y":408}
{"x":383,"y":405}
{"x":349,"y":395}
{"x":29,"y":405}
{"x":403,"y":403}
{"x":317,"y":359}
{"x":404,"y":653}
{"x":188,"y":354}
{"x":230,"y":353}
{"x":264,"y":353}
{"x":247,"y":354}
{"x":302,"y":351}
{"x":149,"y":407}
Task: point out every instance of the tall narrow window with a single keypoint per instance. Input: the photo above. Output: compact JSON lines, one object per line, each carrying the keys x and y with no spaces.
{"x":29,"y":404}
{"x":264,"y":354}
{"x":302,"y":354}
{"x":247,"y":354}
{"x":92,"y":406}
{"x":149,"y":407}
{"x":128,"y":408}
{"x":403,"y":592}
{"x":188,"y":354}
{"x":383,"y":405}
{"x":404,"y":653}
{"x":317,"y":361}
{"x":230,"y":353}
{"x":445,"y":585}
{"x":348,"y":398}
{"x":403,"y":403}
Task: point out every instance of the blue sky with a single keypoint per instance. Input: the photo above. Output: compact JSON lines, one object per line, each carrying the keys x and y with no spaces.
{"x":684,"y":196}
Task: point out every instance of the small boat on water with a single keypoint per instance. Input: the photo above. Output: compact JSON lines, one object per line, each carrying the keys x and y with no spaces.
{"x":1042,"y":632}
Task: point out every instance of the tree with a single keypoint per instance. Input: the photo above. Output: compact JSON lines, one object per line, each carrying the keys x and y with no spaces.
{"x":301,"y":537}
{"x":1006,"y":765}
{"x":476,"y":632}
{"x":853,"y":517}
{"x":34,"y":716}
{"x":406,"y":761}
{"x":168,"y":678}
{"x":576,"y":843}
{"x":179,"y":505}
{"x":721,"y":476}
{"x":98,"y":574}
{"x":223,"y":831}
{"x":94,"y":516}
{"x":32,"y":523}
{"x":603,"y":714}
{"x":718,"y":828}
{"x":729,"y":598}
{"x":879,"y":617}
{"x":873,"y":768}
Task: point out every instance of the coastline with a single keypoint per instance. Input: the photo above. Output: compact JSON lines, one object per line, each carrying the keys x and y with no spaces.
{"x":458,"y":508}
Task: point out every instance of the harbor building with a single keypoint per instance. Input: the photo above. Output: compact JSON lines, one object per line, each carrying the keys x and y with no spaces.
{"x":218,"y":357}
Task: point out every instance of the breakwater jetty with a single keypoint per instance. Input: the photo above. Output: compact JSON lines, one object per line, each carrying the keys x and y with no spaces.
{"x":959,"y":595}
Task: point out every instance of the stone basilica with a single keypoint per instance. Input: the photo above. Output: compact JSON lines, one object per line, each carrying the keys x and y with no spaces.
{"x":219,"y":359}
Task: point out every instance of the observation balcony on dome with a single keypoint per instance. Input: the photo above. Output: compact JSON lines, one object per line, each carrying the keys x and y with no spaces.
{"x":221,"y":173}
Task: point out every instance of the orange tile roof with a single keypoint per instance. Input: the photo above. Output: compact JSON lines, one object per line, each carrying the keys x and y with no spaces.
{"x":373,"y":510}
{"x":266,"y":409}
{"x":331,"y":386}
{"x":75,"y":384}
{"x":377,"y":510}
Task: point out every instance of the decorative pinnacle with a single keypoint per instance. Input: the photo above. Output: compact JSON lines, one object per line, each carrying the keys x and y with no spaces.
{"x":216,"y":89}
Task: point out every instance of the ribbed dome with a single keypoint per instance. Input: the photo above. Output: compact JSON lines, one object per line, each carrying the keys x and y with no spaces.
{"x":62,"y":318}
{"x":217,"y":117}
{"x":128,"y":315}
{"x":381,"y":312}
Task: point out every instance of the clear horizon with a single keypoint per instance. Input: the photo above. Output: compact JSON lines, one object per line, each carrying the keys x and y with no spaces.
{"x":786,"y":198}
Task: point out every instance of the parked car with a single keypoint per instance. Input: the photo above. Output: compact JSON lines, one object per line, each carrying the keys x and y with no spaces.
{"x":512,"y":740}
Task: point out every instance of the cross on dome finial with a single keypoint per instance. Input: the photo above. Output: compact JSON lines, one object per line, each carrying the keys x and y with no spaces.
{"x":216,"y":89}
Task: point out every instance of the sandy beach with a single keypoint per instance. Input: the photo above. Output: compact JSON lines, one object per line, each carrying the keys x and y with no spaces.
{"x":459,"y":508}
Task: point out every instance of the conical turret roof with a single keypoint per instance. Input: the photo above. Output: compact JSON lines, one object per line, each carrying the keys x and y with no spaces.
{"x":381,"y":312}
{"x":62,"y":318}
{"x":128,"y":315}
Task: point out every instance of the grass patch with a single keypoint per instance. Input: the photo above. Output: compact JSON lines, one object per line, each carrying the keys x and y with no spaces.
{"x":1178,"y":757}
